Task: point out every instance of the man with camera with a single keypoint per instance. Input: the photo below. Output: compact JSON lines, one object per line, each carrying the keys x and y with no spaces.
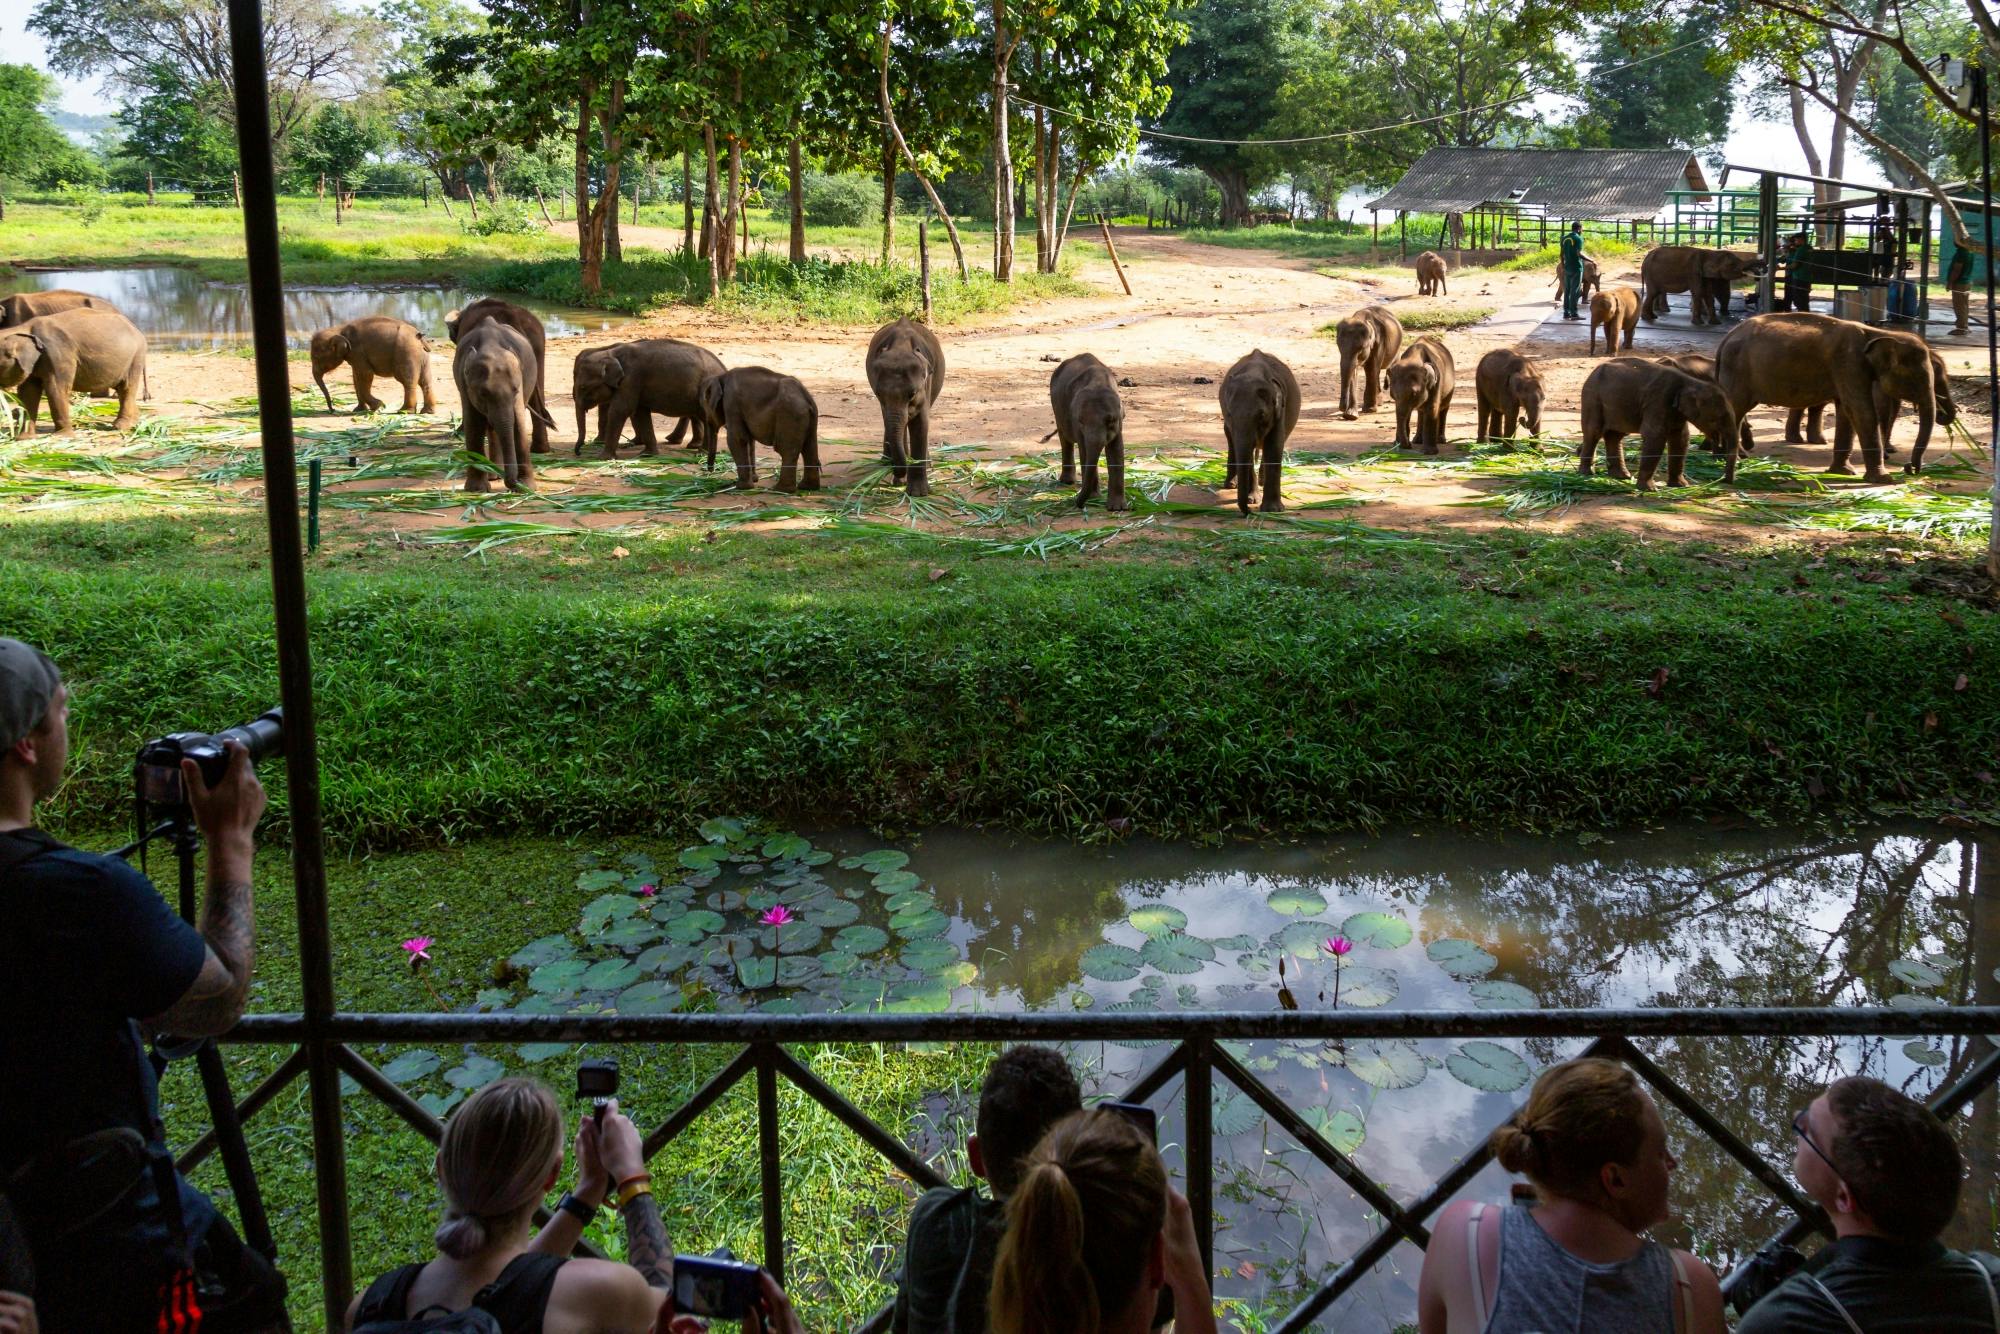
{"x":92,"y":962}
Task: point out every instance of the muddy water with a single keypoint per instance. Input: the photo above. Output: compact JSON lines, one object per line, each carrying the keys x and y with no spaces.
{"x":180,"y":311}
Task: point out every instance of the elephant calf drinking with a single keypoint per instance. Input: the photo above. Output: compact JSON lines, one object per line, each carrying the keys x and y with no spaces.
{"x":1090,"y":418}
{"x":1422,"y":381}
{"x":1657,"y":402}
{"x":754,"y":404}
{"x":1260,"y":406}
{"x":375,"y":345}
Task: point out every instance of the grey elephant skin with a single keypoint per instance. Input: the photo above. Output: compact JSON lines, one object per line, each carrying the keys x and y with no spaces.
{"x":82,"y":350}
{"x":1629,"y":396}
{"x":462,"y":322}
{"x":375,"y":345}
{"x":905,"y":366}
{"x":756,"y":405}
{"x":1421,"y":383}
{"x":1368,"y":340}
{"x":1616,"y":311}
{"x":1509,"y":391}
{"x":1799,"y":359}
{"x":632,"y":381}
{"x":25,"y":306}
{"x":1090,"y":419}
{"x":494,"y":370}
{"x":1702,"y":271}
{"x":1260,"y":407}
{"x":1430,"y":274}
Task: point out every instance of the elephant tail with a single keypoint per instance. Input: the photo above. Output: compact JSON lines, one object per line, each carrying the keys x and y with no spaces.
{"x":1050,"y":436}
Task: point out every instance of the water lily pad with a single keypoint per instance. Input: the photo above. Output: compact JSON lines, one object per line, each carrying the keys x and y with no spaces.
{"x":1386,"y":1065}
{"x":861,"y":939}
{"x":475,"y":1074}
{"x":1255,"y":965}
{"x":1154,"y":918}
{"x":1911,"y":1000}
{"x":1177,"y":952}
{"x":704,"y":858}
{"x":549,"y":949}
{"x":1923,"y":1053}
{"x":833,"y":913}
{"x":1916,"y":973}
{"x":781,"y":1005}
{"x":882,"y":859}
{"x":1139,"y":1004}
{"x":564,"y":975}
{"x":627,"y":936}
{"x":796,"y":937}
{"x":1342,"y":1129}
{"x":910,"y":898}
{"x":929,"y":956}
{"x":1494,"y":994}
{"x":785,"y":847}
{"x":1489,"y":1067}
{"x":1109,"y":963}
{"x":961,"y":974}
{"x":540,"y":1004}
{"x":761,"y":899}
{"x":750,"y":868}
{"x":1302,"y":939}
{"x":838,"y":962}
{"x":1188,"y":995}
{"x":1364,"y":988}
{"x":666,"y":958}
{"x":1233,"y":1114}
{"x":895,"y":882}
{"x":863,"y":992}
{"x":493,"y":999}
{"x":1233,"y":944}
{"x":1378,"y":929}
{"x":919,"y":922}
{"x":611,"y":975}
{"x":693,"y":924}
{"x":537,"y":1052}
{"x":795,"y":970}
{"x":649,"y":998}
{"x":1461,"y":958}
{"x":924,"y":996}
{"x":412,"y":1065}
{"x":724,"y":900}
{"x":592,"y":882}
{"x":721,"y":829}
{"x":1297,"y":901}
{"x":758,"y":970}
{"x":439,"y":1104}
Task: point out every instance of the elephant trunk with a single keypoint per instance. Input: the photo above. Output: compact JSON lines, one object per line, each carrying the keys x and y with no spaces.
{"x":895,"y":427}
{"x":319,"y":378}
{"x":582,"y":419}
{"x":1926,"y":419}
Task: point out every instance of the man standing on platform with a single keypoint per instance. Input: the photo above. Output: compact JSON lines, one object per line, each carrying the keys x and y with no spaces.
{"x":1572,"y":270}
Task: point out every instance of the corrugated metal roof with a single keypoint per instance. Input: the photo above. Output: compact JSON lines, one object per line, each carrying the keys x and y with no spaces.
{"x":1601,"y":184}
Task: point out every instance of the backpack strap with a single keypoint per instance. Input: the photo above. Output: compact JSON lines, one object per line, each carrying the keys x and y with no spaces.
{"x":1477,"y":1279}
{"x":388,"y":1296}
{"x":1826,"y":1292}
{"x":520,"y":1295}
{"x":1683,"y":1296}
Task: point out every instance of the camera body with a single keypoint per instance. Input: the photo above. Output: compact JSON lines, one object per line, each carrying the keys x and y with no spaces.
{"x":157,"y":771}
{"x":718,"y":1287}
{"x":597,"y":1082}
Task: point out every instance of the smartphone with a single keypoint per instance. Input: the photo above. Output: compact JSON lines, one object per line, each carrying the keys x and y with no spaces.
{"x":1148,"y":1120}
{"x":597,"y":1081}
{"x":718,"y":1289}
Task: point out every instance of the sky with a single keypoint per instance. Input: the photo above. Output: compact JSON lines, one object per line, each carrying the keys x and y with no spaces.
{"x":1750,"y":143}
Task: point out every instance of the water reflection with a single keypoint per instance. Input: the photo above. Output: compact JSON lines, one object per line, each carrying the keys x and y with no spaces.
{"x":180,"y":311}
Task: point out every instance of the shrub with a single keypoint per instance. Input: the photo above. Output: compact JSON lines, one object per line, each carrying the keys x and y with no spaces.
{"x":833,"y":201}
{"x":88,"y":200}
{"x":508,"y":217}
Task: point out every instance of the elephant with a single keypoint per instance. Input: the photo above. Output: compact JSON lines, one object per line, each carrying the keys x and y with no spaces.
{"x":375,"y":345}
{"x":494,"y":369}
{"x":755,"y":404}
{"x":25,"y":306}
{"x":1430,"y":274}
{"x":83,"y":349}
{"x":1615,"y":311}
{"x":1691,"y":363}
{"x":635,"y":380}
{"x":1809,"y":418}
{"x":1421,"y":383}
{"x":905,"y":366}
{"x":1630,"y":394}
{"x":1692,"y":269}
{"x":1368,"y":341}
{"x":462,"y":322}
{"x":1090,"y":418}
{"x":1593,"y":279}
{"x":1801,"y":359}
{"x":1260,"y":406}
{"x":1509,"y":389}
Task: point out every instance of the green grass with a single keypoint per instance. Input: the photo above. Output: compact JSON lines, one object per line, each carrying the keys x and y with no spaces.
{"x":1438,"y":319}
{"x":1548,"y":256}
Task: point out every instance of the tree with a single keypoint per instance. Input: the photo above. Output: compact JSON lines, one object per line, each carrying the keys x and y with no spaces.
{"x":428,"y":117}
{"x":1656,"y":83}
{"x":176,"y":128}
{"x":32,"y":149}
{"x":1467,"y":75}
{"x":313,"y":49}
{"x":335,"y":143}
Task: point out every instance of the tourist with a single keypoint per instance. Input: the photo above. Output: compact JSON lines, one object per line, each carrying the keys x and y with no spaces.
{"x":1958,"y":281}
{"x":1093,"y":1233}
{"x":1798,"y":277}
{"x":90,"y":953}
{"x":1575,"y":1259}
{"x":1887,"y":1172}
{"x":953,"y":1234}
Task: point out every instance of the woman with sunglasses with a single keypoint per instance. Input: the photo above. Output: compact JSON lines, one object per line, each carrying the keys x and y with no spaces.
{"x":1577,"y":1259}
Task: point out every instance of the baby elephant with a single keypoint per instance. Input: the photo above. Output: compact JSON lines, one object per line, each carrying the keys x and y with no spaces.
{"x":82,"y":350}
{"x":1509,"y":389}
{"x":1421,"y":382}
{"x":494,"y":369}
{"x":1091,"y":418}
{"x":905,"y":365}
{"x":1260,"y":406}
{"x":754,"y":404}
{"x":1628,"y":395}
{"x":632,"y":381}
{"x":375,"y":345}
{"x":1368,"y":340}
{"x":1430,"y":274}
{"x":1615,"y":310}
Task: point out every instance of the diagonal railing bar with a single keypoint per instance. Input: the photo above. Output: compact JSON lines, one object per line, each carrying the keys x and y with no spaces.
{"x":704,"y":1098}
{"x":1317,"y":1144}
{"x":253,"y":1102}
{"x":870,"y":1131}
{"x":1726,"y":1139}
{"x":770,"y":1163}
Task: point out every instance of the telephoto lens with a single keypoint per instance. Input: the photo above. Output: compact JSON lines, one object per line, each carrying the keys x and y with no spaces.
{"x":158,"y":770}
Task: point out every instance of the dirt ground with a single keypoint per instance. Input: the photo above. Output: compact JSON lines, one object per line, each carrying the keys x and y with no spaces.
{"x":1194,"y":310}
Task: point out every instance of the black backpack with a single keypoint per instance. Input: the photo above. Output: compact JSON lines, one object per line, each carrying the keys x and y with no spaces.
{"x":514,"y":1301}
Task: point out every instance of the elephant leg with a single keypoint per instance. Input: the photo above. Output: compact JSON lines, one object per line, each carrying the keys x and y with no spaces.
{"x":59,"y":394}
{"x":424,"y":383}
{"x":1793,"y":419}
{"x":811,"y":480}
{"x":1513,"y":422}
{"x":1114,"y":465}
{"x":1402,"y":426}
{"x":1867,"y":434}
{"x":1347,"y":388}
{"x":409,"y":395}
{"x":1067,"y":477}
{"x":30,"y":394}
{"x":1926,"y":420}
{"x":476,"y":478}
{"x":1427,"y":428}
{"x":642,"y":426}
{"x":1444,"y":417}
{"x":1369,"y":400}
{"x":1228,"y":456}
{"x":1651,"y":445}
{"x":537,"y":409}
{"x":1889,"y":409}
{"x":675,"y":436}
{"x":610,"y":426}
{"x":1274,"y":465}
{"x":520,"y":464}
{"x":1614,"y":456}
{"x":128,"y":404}
{"x":1677,"y":453}
{"x":364,"y":385}
{"x":1246,"y":474}
{"x":1089,"y":451}
{"x":920,"y":454}
{"x":1843,"y":447}
{"x":1484,"y":412}
{"x":1586,"y":452}
{"x":742,"y":449}
{"x":788,"y":469}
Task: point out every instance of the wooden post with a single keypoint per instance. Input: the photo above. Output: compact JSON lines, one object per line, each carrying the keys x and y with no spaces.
{"x":924,"y":263}
{"x":635,"y":201}
{"x":337,"y":197}
{"x":1149,"y":217}
{"x":427,"y":193}
{"x":319,"y":190}
{"x":1104,"y":229}
{"x":236,"y":187}
{"x":543,"y":204}
{"x":444,"y":197}
{"x":1402,"y":234}
{"x":149,"y":187}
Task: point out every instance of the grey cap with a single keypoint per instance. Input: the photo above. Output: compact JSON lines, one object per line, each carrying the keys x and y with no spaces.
{"x":28,"y":684}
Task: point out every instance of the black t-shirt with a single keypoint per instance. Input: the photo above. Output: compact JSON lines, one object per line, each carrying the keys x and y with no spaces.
{"x":1886,"y":1287}
{"x":954,"y":1236}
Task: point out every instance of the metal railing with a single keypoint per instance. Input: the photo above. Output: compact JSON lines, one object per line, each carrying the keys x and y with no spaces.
{"x":1197,"y":1057}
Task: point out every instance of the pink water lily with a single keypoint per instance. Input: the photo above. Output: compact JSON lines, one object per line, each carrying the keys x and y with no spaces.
{"x":778,"y":916}
{"x":1338,"y":946}
{"x":647,"y":891}
{"x":419,"y":948}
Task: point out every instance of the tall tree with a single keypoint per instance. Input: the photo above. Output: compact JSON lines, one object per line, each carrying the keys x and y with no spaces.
{"x":1654,"y":83}
{"x":32,"y":149}
{"x":1466,"y":72}
{"x":176,"y":127}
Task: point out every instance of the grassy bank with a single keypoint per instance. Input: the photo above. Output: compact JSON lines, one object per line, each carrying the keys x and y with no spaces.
{"x":1242,"y":687}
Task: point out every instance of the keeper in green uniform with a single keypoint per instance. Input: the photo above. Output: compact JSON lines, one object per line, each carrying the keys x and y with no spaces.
{"x":1572,"y":271}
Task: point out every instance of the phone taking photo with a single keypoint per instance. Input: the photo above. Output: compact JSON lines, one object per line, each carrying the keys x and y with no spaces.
{"x":714,"y":1287}
{"x":1148,"y":1120}
{"x":597,"y":1082}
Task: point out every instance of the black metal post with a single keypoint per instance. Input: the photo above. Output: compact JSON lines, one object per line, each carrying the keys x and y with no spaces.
{"x":1198,"y":1087}
{"x":771,"y":1162}
{"x":1978,"y":73}
{"x":288,"y":598}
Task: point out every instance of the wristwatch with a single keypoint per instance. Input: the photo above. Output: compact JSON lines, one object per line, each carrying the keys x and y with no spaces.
{"x":576,"y":1208}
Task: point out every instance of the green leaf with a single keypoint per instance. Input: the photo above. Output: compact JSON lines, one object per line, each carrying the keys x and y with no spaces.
{"x":929,"y":956}
{"x":537,"y":1052}
{"x":1154,"y":918}
{"x":1342,"y":1129}
{"x":861,"y":939}
{"x":704,"y":858}
{"x":610,"y":975}
{"x":925,"y":996}
{"x":721,"y":829}
{"x":1297,"y":901}
{"x":440,"y":1104}
{"x":548,"y":949}
{"x":692,"y":925}
{"x":412,"y":1065}
{"x":1233,"y":944}
{"x":910,"y":898}
{"x":895,"y":882}
{"x":666,"y":958}
{"x":833,"y":913}
{"x":796,"y":937}
{"x":1177,"y":952}
{"x":838,"y":962}
{"x":1364,"y":988}
{"x":1489,"y":1067}
{"x":558,"y":978}
{"x":863,"y":992}
{"x":1109,"y":963}
{"x":1461,"y":958}
{"x":1302,"y":940}
{"x":1377,"y":929}
{"x":592,"y":882}
{"x":1911,"y":1000}
{"x":919,"y":922}
{"x":1233,"y":1114}
{"x":649,"y":998}
{"x":785,"y":847}
{"x":493,"y":998}
{"x":1917,"y":974}
{"x":759,"y":970}
{"x":601,"y":911}
{"x":882,"y":859}
{"x":795,"y":970}
{"x":627,"y":936}
{"x":475,"y":1074}
{"x":1498,"y":995}
{"x":1386,"y":1065}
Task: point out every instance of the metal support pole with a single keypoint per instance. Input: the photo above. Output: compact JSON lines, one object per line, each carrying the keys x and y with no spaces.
{"x":771,"y":1163}
{"x":1992,"y":333}
{"x":1201,"y":1147}
{"x":288,"y":598}
{"x":314,"y":469}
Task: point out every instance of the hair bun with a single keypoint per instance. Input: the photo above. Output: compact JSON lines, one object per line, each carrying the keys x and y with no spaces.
{"x":1515,"y":1146}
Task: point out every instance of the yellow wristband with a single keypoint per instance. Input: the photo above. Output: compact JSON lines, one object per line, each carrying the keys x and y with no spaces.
{"x":632,"y":1191}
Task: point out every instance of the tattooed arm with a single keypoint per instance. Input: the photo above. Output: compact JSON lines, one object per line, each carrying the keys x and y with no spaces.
{"x":227,"y":816}
{"x":646,"y":1246}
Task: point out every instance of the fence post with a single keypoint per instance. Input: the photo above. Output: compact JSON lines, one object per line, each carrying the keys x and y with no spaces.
{"x":924,"y":263}
{"x":772,"y":1165}
{"x":1197,"y":1095}
{"x":236,"y":187}
{"x":314,"y":470}
{"x":337,"y":193}
{"x":149,"y":188}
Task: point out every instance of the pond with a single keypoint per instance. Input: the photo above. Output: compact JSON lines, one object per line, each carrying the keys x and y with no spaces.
{"x":182,"y":312}
{"x":781,"y":922}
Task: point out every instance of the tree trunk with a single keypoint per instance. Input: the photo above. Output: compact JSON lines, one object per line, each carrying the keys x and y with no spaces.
{"x":1003,"y":164}
{"x":589,"y":260}
{"x":1235,"y":194}
{"x":710,"y":205}
{"x":893,"y":140}
{"x":687,"y":202}
{"x":1062,"y":235}
{"x":1044,"y":239}
{"x":1974,"y":1224}
{"x":798,"y":195}
{"x":725,"y":235}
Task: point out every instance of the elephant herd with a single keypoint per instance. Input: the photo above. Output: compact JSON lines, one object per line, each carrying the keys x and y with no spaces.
{"x":54,"y":344}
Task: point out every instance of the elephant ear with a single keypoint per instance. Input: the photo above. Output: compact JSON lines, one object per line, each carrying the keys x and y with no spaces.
{"x":612,"y":372}
{"x":25,"y":350}
{"x":1886,"y":353}
{"x":710,"y":398}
